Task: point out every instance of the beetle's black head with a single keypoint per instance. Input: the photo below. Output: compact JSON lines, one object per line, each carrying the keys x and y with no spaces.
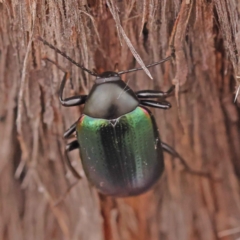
{"x":107,"y":77}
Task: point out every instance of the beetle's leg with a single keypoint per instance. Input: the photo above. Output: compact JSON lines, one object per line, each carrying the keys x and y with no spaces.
{"x":171,"y":151}
{"x":70,"y":130}
{"x":155,"y":94}
{"x":155,"y":104}
{"x":72,"y":101}
{"x":72,"y":146}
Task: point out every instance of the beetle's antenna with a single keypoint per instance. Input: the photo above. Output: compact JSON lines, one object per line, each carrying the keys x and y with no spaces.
{"x":148,"y":66}
{"x":66,"y":56}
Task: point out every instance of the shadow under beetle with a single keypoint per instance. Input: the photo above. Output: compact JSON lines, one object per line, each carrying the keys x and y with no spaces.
{"x":120,"y":147}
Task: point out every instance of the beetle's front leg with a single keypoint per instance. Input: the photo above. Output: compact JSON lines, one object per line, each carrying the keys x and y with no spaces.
{"x":156,"y":104}
{"x":72,"y":146}
{"x":72,"y":101}
{"x":155,"y":94}
{"x":172,"y":152}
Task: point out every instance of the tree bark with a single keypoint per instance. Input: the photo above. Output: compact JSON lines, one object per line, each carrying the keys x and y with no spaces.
{"x":203,"y":124}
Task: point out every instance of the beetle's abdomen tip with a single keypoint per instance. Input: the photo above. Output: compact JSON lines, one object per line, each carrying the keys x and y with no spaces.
{"x":131,"y":191}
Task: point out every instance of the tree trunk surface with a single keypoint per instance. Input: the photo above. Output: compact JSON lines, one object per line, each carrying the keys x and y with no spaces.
{"x":202,"y":125}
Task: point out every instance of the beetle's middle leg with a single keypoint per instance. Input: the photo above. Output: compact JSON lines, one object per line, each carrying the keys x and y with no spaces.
{"x":173,"y":152}
{"x":70,"y":130}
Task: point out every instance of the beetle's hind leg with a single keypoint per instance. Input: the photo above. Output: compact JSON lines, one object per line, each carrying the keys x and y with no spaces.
{"x":155,"y":94}
{"x":172,"y":152}
{"x":72,"y":146}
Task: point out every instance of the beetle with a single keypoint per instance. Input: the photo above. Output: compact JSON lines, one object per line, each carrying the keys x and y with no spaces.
{"x":118,"y":138}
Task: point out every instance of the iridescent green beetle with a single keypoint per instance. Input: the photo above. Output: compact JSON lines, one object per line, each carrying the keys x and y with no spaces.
{"x":120,"y":147}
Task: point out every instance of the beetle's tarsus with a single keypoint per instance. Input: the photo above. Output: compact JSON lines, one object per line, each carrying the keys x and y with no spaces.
{"x":72,"y":146}
{"x":172,"y":152}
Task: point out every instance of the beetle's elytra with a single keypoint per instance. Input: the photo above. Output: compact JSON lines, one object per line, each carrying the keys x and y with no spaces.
{"x":120,"y":147}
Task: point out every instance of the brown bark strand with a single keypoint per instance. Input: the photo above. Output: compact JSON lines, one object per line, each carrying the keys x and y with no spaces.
{"x":203,"y":124}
